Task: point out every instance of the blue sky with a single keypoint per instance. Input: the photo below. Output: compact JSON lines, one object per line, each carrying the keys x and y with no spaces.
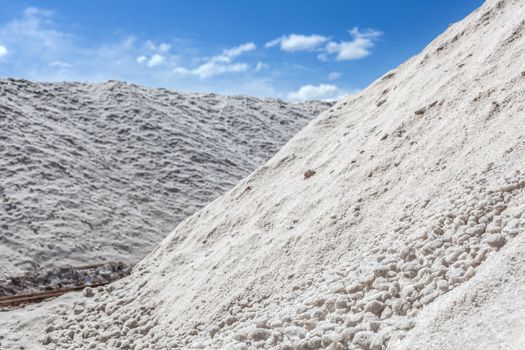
{"x":288,"y":49}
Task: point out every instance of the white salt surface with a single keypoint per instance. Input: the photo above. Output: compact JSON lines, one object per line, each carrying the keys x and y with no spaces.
{"x":102,"y":172}
{"x":393,"y":221}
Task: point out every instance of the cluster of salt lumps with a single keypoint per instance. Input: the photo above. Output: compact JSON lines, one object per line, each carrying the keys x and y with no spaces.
{"x":358,"y":306}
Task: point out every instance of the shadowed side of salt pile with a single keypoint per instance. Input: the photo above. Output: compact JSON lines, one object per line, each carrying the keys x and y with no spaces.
{"x":94,"y":173}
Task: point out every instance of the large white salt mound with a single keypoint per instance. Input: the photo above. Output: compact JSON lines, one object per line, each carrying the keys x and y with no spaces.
{"x":98,"y":172}
{"x":390,"y":222}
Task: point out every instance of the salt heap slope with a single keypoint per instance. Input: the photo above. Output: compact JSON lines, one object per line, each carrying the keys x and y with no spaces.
{"x":98,"y":172}
{"x":407,"y":233}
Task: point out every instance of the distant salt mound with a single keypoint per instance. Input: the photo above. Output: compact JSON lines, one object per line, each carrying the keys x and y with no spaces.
{"x":101,"y":172}
{"x":395,"y":220}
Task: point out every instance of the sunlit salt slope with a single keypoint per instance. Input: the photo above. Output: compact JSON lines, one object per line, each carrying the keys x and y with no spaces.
{"x":394,"y":221}
{"x":98,"y":172}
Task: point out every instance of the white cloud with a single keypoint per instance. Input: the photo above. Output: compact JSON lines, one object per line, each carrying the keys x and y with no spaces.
{"x":159,"y":55}
{"x":236,"y":51}
{"x":32,"y":33}
{"x":60,"y":64}
{"x":324,"y":92}
{"x":334,"y":75}
{"x":163,"y":47}
{"x":150,"y":45}
{"x":322,"y":57}
{"x":359,"y":47}
{"x":3,"y":51}
{"x":211,"y":69}
{"x":261,"y":66}
{"x":220,"y":64}
{"x":36,"y":12}
{"x":298,"y":42}
{"x":128,"y":42}
{"x":155,"y":60}
{"x":273,"y":42}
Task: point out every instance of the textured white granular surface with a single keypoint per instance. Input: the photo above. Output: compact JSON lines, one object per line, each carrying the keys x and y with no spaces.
{"x":102,"y":172}
{"x":395,"y":220}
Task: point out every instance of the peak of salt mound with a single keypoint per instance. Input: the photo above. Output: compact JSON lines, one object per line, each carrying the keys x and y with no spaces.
{"x":418,"y":197}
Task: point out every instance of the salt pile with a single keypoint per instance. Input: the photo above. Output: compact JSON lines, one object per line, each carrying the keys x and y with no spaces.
{"x":101,"y":172}
{"x":395,"y":220}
